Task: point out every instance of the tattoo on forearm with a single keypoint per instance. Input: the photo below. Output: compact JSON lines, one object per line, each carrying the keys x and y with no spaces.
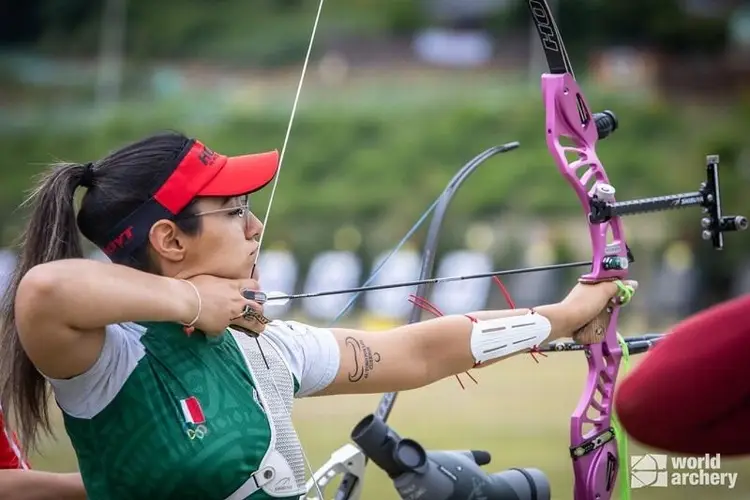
{"x":364,"y":359}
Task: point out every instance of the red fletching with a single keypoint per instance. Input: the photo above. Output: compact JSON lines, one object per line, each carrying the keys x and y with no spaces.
{"x":431,"y":308}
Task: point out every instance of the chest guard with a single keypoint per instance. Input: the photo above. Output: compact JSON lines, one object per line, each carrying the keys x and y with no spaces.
{"x":282,"y":470}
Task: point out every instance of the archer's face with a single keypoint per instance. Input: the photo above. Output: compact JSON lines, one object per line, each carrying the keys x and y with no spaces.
{"x":227,"y":241}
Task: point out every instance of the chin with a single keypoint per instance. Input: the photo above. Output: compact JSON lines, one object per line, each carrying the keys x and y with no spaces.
{"x":242,"y":274}
{"x":236,"y":273}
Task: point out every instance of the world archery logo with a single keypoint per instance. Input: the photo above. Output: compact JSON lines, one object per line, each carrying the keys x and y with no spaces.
{"x":195,"y":420}
{"x":648,"y":470}
{"x":661,"y":471}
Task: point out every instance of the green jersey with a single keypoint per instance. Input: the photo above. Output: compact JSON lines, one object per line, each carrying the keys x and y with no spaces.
{"x":165,"y":415}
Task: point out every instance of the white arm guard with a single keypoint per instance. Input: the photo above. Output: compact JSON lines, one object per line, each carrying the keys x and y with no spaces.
{"x":497,"y":338}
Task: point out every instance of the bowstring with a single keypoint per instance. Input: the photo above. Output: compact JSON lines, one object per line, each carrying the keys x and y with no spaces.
{"x":271,"y":198}
{"x":288,"y":133}
{"x":275,"y":184}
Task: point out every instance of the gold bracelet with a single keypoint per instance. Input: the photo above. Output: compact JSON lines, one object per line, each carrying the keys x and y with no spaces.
{"x":189,"y":328}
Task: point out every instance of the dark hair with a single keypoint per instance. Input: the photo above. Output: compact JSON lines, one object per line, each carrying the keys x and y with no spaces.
{"x":119,"y":183}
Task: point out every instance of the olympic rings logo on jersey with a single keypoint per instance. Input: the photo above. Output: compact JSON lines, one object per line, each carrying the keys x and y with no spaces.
{"x":197,"y":433}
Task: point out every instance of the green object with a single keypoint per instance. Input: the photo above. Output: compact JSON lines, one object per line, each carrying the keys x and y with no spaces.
{"x":623,"y":475}
{"x":184,"y":423}
{"x":625,"y":293}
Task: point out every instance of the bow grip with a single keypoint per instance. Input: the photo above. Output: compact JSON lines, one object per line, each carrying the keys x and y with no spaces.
{"x":595,"y":330}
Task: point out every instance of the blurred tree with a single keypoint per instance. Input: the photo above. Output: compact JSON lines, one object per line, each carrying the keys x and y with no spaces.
{"x":19,"y":22}
{"x":662,"y":25}
{"x":67,"y":16}
{"x":194,"y":25}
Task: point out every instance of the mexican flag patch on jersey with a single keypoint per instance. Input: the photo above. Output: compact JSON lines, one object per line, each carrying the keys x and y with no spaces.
{"x":192,"y":411}
{"x":194,"y":418}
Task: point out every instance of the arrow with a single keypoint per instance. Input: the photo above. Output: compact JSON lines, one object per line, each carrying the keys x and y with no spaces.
{"x":281,"y":298}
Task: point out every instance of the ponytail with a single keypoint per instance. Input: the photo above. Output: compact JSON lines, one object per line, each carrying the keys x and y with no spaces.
{"x":120,"y":183}
{"x":50,"y":234}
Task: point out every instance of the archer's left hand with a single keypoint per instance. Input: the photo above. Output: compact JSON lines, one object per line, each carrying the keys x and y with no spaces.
{"x":585,"y":302}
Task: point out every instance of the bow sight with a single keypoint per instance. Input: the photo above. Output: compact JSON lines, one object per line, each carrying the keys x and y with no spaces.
{"x":603,"y":206}
{"x":714,"y":224}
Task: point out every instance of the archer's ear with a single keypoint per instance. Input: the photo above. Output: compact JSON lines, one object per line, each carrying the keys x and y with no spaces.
{"x":167,"y":241}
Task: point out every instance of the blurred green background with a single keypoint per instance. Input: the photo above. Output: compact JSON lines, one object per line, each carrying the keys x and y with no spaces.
{"x":398,"y":95}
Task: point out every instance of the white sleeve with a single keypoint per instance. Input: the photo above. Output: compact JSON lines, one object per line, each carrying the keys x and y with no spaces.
{"x":312,"y":353}
{"x":87,"y":394}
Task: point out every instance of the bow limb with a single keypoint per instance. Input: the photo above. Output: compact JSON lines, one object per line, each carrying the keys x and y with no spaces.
{"x":349,"y":461}
{"x":593,"y":446}
{"x":430,"y":249}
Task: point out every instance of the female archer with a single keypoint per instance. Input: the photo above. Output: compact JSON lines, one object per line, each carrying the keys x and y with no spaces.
{"x":171,"y":382}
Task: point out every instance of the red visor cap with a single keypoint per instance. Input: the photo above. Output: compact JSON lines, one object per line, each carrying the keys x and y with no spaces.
{"x":203,"y":172}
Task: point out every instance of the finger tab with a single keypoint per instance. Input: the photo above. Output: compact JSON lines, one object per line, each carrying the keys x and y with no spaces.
{"x":255,"y":296}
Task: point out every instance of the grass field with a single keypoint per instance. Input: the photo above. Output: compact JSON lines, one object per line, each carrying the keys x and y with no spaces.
{"x":519,"y":412}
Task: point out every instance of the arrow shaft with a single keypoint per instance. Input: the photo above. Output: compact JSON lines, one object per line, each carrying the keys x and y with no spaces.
{"x":429,"y":281}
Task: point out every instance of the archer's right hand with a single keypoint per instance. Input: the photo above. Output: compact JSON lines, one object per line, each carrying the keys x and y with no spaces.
{"x":221,"y":302}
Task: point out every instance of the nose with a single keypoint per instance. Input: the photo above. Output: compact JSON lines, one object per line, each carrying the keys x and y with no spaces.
{"x":253,"y":226}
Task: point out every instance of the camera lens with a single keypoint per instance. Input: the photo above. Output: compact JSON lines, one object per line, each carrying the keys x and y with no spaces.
{"x":409,"y":454}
